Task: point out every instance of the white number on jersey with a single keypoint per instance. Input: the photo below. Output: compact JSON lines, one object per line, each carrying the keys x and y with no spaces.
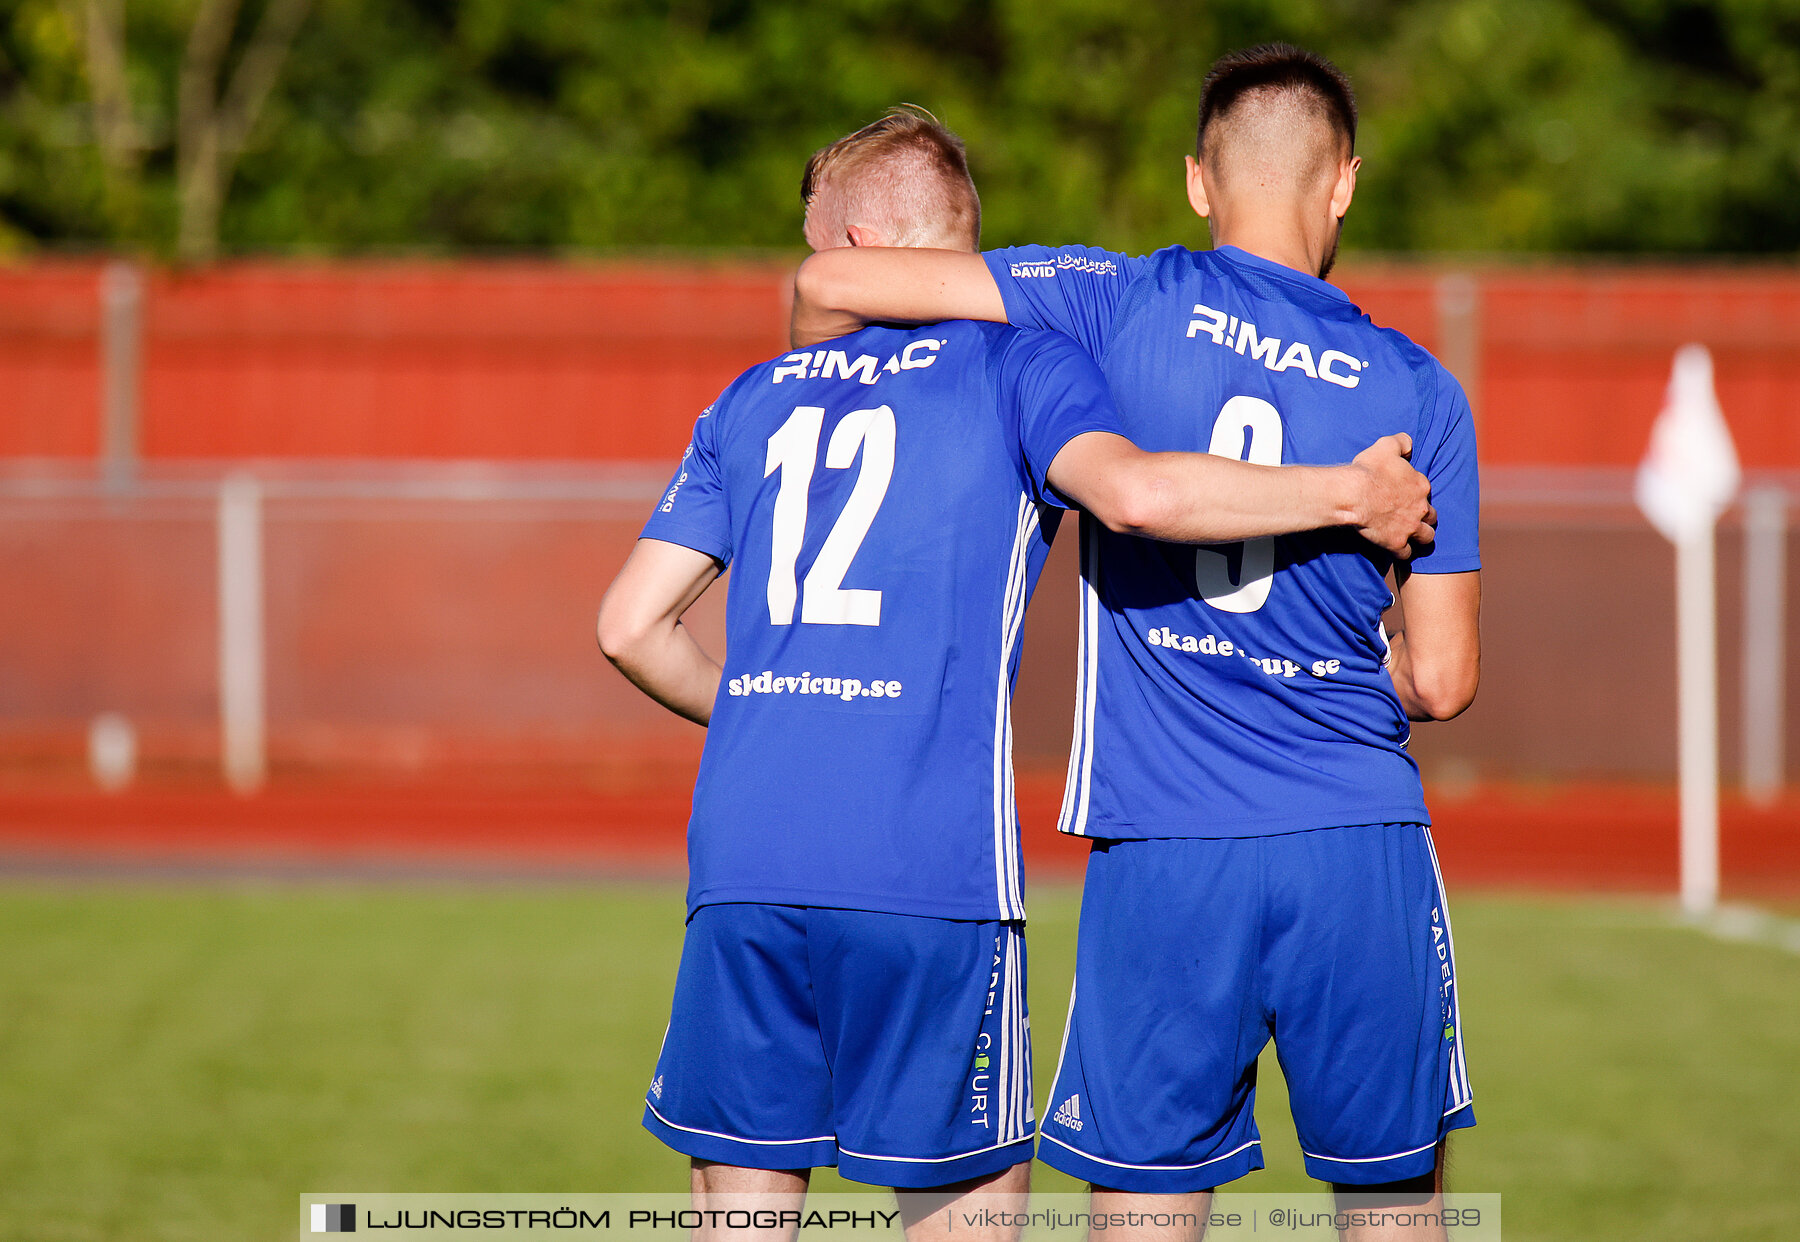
{"x":794,"y":450}
{"x":1247,"y":429}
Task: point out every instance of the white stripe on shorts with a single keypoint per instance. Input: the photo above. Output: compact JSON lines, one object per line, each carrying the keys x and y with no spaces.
{"x":1461,"y":1093}
{"x":1154,"y":1168}
{"x":738,"y":1138}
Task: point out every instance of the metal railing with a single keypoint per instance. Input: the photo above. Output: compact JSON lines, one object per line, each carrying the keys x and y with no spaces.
{"x":476,"y":521}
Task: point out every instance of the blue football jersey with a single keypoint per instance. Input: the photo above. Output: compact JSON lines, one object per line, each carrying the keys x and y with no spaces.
{"x":881,"y":502}
{"x":1241,"y":690}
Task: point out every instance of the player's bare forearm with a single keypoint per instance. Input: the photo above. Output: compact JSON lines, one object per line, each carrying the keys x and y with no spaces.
{"x":1200,"y":498}
{"x":1434,"y":635}
{"x":673,"y":670}
{"x":640,"y":627}
{"x":1399,"y":663}
{"x":839,"y":291}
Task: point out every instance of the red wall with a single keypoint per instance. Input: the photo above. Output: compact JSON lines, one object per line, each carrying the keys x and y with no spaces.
{"x":49,"y":357}
{"x":412,"y":634}
{"x":501,"y":360}
{"x":570,"y":361}
{"x":1573,"y":362}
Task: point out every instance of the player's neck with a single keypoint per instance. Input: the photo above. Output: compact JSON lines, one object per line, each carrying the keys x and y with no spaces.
{"x":1275,"y":236}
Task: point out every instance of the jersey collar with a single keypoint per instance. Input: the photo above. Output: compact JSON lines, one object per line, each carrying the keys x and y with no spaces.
{"x":1268,"y":267}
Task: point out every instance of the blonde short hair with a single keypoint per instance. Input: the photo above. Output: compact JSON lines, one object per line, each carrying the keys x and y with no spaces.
{"x":906,"y":173}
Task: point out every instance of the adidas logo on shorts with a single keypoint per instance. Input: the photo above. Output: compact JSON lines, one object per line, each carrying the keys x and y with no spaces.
{"x":656,"y":1086}
{"x":1069,"y":1114}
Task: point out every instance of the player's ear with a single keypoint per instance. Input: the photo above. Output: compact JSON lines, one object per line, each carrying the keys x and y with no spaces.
{"x":1196,"y":188}
{"x":863,"y":235}
{"x":1345,"y":189}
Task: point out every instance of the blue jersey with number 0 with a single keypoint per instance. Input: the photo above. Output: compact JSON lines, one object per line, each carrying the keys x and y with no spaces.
{"x":882,"y":504}
{"x":1240,"y":690}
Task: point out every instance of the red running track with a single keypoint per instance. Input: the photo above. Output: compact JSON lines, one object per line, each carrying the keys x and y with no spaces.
{"x":1591,"y":837}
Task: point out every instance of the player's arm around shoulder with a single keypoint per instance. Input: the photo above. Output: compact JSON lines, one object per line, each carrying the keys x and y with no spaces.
{"x":640,"y":627}
{"x":1201,"y":498}
{"x":845,"y":289}
{"x":1067,"y":417}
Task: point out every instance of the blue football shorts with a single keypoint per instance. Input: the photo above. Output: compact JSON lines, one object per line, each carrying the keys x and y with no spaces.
{"x":893,"y":1046}
{"x":1194,"y":952}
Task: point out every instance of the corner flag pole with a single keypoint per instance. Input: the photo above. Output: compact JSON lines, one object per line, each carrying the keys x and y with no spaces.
{"x":241,"y":674}
{"x":1697,"y":696}
{"x":1686,"y":480}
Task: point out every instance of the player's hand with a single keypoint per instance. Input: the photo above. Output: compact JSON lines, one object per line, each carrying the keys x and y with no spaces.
{"x":1397,"y":513}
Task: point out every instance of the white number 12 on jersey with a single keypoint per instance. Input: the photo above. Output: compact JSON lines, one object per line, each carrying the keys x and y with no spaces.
{"x":1253,"y":424}
{"x":794,"y":450}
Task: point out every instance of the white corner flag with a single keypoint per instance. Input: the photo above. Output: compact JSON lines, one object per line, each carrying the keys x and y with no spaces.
{"x":1687,"y":479}
{"x":1690,"y":475}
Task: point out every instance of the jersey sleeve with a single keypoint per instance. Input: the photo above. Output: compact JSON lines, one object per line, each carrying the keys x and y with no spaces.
{"x":694,"y":511}
{"x":1050,"y":392}
{"x":1074,"y":290}
{"x":1444,"y":452}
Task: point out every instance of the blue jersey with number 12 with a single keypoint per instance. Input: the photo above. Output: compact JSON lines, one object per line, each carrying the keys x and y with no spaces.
{"x":1241,"y":690}
{"x":882,"y":504}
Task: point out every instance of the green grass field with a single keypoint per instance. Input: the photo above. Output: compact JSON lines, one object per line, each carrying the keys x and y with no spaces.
{"x":182,"y":1061}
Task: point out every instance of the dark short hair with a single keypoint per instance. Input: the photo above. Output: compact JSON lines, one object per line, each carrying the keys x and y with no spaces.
{"x":1277,"y":67}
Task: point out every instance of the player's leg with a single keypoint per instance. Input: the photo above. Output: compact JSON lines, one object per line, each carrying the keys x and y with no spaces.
{"x":731,"y":1188}
{"x":1151,"y":1218}
{"x":945,"y":1213}
{"x":925,"y":1027}
{"x":1153,"y":1103}
{"x":741,"y":1082}
{"x":1409,"y":1210}
{"x":1362,"y":976}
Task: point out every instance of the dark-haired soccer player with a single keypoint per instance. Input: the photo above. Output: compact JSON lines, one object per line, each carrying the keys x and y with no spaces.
{"x":851,"y":989}
{"x":1261,"y":863}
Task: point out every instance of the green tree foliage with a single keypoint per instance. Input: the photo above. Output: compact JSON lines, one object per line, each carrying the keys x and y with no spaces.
{"x":1579,"y":125}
